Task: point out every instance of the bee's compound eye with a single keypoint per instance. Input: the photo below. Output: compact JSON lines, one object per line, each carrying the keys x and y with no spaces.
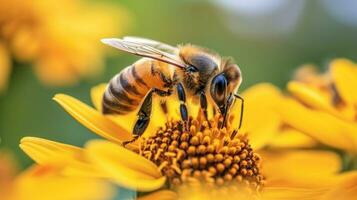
{"x":219,"y":89}
{"x":192,"y":69}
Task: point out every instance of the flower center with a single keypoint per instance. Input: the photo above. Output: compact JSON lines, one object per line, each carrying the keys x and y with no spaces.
{"x":203,"y":154}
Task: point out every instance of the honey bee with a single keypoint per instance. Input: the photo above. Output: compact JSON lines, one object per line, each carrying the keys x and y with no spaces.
{"x":190,"y":70}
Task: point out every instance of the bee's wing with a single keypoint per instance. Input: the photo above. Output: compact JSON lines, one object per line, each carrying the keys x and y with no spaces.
{"x":144,"y":50}
{"x":156,"y":44}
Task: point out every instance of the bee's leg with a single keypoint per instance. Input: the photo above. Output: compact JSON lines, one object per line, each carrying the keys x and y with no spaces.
{"x":145,"y":111}
{"x":144,"y":114}
{"x":135,"y":137}
{"x":143,"y":119}
{"x":241,"y":109}
{"x":227,"y":105}
{"x":233,"y":134}
{"x":183,"y":108}
{"x":162,"y":93}
{"x":203,"y":105}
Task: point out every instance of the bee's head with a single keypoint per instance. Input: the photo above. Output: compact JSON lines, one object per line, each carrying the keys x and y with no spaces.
{"x":225,"y":83}
{"x":201,"y":67}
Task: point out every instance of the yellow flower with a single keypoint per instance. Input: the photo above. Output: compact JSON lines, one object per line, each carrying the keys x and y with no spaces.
{"x":285,"y":147}
{"x":264,"y":124}
{"x":320,"y":110}
{"x":8,"y":170}
{"x":168,"y":156}
{"x":60,"y":38}
{"x":324,"y":106}
{"x":44,"y":182}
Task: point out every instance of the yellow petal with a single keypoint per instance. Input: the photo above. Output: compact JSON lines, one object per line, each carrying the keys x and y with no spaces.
{"x":315,"y":99}
{"x":160,"y":195}
{"x":71,"y":159}
{"x":260,"y":120}
{"x":97,"y":95}
{"x":5,"y":66}
{"x":126,"y":168}
{"x":320,"y":125}
{"x":309,"y":74}
{"x":126,"y":121}
{"x":45,"y":151}
{"x":292,"y":138}
{"x":92,"y":119}
{"x":83,"y":170}
{"x":305,"y":168}
{"x":132,"y":160}
{"x":345,"y":189}
{"x":344,"y":74}
{"x":310,"y":96}
{"x":45,"y":182}
{"x":292,"y":193}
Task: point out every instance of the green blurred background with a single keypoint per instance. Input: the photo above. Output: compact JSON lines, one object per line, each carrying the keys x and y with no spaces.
{"x":268,"y":39}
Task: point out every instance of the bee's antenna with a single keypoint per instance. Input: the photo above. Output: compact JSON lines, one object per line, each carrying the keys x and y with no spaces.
{"x":241,"y":109}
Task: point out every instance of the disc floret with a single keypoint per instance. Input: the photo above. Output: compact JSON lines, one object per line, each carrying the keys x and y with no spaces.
{"x":202,"y":153}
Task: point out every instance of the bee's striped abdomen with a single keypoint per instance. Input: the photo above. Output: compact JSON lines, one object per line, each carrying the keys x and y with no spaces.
{"x":127,"y":89}
{"x":139,"y":80}
{"x":123,"y":93}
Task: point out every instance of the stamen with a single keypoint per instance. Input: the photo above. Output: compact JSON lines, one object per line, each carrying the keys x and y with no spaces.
{"x":203,"y":155}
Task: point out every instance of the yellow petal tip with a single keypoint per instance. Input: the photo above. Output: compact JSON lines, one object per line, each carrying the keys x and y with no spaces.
{"x":27,"y":139}
{"x":59,"y":96}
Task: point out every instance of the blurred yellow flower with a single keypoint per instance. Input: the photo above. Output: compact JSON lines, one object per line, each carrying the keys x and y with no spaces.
{"x":264,"y":124}
{"x":60,"y":38}
{"x":166,"y":158}
{"x":8,"y":169}
{"x":324,"y":106}
{"x":44,"y":182}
